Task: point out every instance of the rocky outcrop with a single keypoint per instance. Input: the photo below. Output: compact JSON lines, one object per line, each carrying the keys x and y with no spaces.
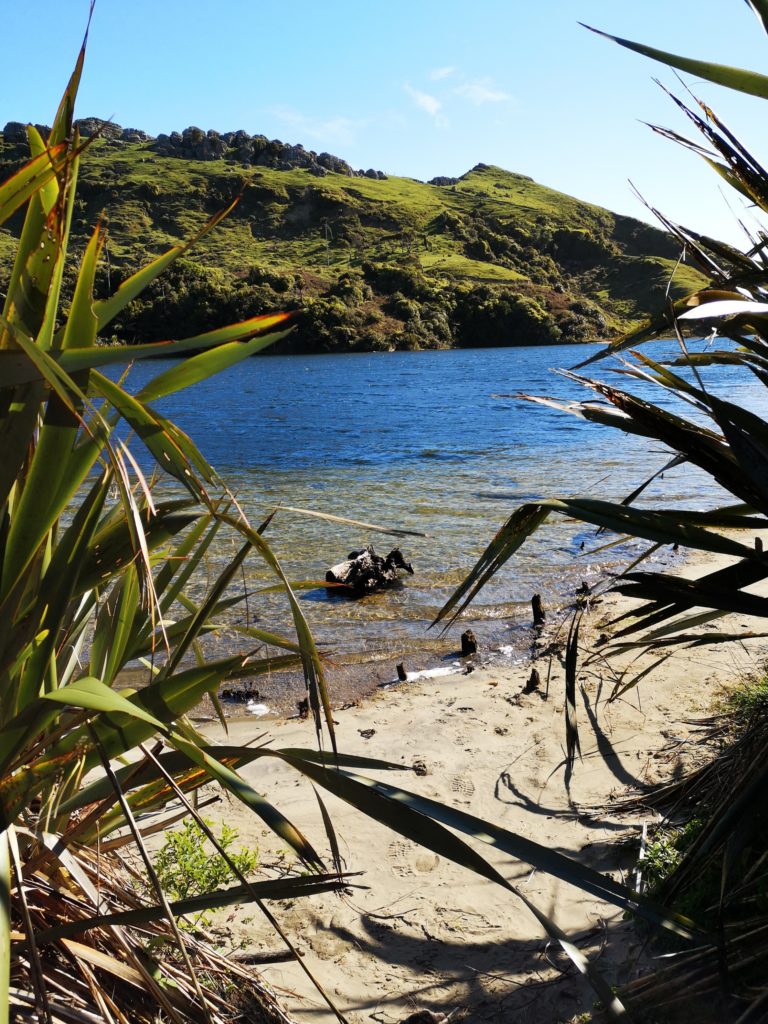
{"x":442,"y":180}
{"x":90,"y":126}
{"x":196,"y":144}
{"x":134,"y":135}
{"x":15,"y":132}
{"x":192,"y":144}
{"x":254,"y":151}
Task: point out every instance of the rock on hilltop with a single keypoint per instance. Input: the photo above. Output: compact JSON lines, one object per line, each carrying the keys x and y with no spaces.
{"x":195,"y":144}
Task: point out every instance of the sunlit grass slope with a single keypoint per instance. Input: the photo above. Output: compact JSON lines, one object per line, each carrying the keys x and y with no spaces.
{"x":492,"y":258}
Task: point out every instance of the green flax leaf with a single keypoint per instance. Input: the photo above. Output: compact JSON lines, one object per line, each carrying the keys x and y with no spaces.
{"x":749,"y":82}
{"x":93,"y":695}
{"x":273,"y":889}
{"x":30,"y":179}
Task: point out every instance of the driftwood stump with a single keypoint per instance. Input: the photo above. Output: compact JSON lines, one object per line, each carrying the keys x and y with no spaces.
{"x":468,"y":643}
{"x":534,"y":682}
{"x":365,"y":571}
{"x":539,"y":615}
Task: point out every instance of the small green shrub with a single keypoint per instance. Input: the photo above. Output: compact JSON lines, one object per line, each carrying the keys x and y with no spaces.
{"x":751,"y":700}
{"x":665,"y":851}
{"x":188,"y":865}
{"x":664,"y":854}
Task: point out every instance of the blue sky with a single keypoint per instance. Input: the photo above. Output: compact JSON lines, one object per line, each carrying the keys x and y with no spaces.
{"x":411,"y":87}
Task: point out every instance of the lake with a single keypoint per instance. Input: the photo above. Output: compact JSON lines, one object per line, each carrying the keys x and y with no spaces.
{"x":421,"y":441}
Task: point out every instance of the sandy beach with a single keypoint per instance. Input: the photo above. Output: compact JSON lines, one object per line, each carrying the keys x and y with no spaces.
{"x":425,"y":934}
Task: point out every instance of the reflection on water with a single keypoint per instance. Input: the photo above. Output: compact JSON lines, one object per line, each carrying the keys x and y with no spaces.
{"x":419,"y":440}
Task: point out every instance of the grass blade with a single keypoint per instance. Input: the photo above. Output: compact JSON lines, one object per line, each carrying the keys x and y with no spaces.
{"x":661,"y":527}
{"x":60,"y":581}
{"x":173,"y":762}
{"x":691,"y":593}
{"x":330,"y":832}
{"x":153,"y":432}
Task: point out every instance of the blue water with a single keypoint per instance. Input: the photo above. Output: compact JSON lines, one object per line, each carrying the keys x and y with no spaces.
{"x":430,"y":442}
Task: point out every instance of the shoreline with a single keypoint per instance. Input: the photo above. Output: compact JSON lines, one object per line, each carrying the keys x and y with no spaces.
{"x":428,"y":934}
{"x":355,"y":677}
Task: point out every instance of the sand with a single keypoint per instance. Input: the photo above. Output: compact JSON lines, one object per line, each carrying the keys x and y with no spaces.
{"x":427,"y":934}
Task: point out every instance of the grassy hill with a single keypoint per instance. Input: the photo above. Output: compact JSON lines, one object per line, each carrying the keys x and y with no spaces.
{"x":376,"y":262}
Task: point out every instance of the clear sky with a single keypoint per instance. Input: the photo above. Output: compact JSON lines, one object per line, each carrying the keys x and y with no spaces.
{"x":411,"y":87}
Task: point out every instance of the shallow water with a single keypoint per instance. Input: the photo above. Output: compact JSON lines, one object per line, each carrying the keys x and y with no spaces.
{"x":422,"y":441}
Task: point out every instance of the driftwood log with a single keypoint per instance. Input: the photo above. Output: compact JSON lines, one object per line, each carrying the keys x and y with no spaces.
{"x":365,"y":571}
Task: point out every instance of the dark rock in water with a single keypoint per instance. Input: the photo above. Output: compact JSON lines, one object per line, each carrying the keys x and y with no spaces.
{"x":365,"y":571}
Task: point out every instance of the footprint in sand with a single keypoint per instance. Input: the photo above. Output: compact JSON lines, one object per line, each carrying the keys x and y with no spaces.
{"x":410,"y":859}
{"x":462,"y":785}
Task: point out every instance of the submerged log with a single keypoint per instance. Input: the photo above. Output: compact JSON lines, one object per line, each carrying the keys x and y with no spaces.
{"x":365,"y":571}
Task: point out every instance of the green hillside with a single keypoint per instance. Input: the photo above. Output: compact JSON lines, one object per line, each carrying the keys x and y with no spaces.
{"x":376,"y":262}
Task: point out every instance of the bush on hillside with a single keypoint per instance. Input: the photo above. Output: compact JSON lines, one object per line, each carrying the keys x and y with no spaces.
{"x":490,"y":316}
